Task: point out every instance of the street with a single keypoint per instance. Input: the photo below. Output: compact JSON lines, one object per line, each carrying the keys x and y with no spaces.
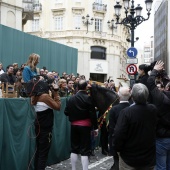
{"x":97,"y":162}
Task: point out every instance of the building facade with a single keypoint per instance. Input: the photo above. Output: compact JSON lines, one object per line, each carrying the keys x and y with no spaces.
{"x":11,"y":13}
{"x":162,"y":33}
{"x":148,"y":52}
{"x":101,"y":50}
{"x":15,"y":13}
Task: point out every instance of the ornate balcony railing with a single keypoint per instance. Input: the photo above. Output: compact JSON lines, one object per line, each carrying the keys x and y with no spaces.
{"x":27,"y":1}
{"x":37,"y":7}
{"x":99,"y":7}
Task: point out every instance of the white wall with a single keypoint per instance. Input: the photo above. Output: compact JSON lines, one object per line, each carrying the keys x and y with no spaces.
{"x":11,"y":13}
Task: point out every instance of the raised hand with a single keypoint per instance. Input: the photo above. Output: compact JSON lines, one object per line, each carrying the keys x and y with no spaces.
{"x":159,"y":65}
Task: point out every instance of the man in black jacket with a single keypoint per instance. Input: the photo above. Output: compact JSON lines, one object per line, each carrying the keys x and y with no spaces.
{"x":82,"y":115}
{"x":135,"y":132}
{"x":124,"y":95}
{"x":162,"y":100}
{"x":8,"y":77}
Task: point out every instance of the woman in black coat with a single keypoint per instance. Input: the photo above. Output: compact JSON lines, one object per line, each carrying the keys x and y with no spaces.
{"x":143,"y":73}
{"x":143,"y":76}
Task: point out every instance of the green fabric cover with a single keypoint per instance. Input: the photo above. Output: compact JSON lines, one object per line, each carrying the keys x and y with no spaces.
{"x":17,"y":138}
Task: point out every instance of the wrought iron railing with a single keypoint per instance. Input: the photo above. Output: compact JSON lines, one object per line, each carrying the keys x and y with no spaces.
{"x":99,"y":7}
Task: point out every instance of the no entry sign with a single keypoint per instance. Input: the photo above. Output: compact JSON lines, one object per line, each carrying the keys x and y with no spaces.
{"x":131,"y":69}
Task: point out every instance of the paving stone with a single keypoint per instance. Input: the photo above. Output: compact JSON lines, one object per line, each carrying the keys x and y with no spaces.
{"x":97,"y":162}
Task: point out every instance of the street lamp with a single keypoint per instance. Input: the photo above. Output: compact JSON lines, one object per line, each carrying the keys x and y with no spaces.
{"x":87,"y":22}
{"x":128,"y":40}
{"x":131,"y":21}
{"x":111,"y":25}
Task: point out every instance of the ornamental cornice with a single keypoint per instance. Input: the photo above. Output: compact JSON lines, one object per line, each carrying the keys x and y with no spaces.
{"x":99,"y":14}
{"x":59,"y":11}
{"x":78,"y":10}
{"x":98,"y":42}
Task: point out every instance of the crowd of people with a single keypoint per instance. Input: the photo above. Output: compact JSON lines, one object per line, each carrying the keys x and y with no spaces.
{"x":137,"y":133}
{"x":13,"y":74}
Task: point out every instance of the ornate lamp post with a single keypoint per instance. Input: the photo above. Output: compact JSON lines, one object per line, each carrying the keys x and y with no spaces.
{"x":131,"y":20}
{"x":111,"y":25}
{"x":87,"y":22}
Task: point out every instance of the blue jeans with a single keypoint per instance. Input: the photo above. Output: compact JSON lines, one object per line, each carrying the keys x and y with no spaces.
{"x":163,"y":154}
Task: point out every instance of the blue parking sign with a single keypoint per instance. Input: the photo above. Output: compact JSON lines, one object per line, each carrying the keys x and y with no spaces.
{"x":132,"y":52}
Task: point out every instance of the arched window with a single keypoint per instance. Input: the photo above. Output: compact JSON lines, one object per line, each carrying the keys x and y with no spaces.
{"x":11,"y":19}
{"x":98,"y":53}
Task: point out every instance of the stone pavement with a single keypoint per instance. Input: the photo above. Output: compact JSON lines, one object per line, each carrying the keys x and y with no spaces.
{"x":97,"y":162}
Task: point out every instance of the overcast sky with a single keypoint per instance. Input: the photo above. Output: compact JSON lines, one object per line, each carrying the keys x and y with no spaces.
{"x":146,"y":29}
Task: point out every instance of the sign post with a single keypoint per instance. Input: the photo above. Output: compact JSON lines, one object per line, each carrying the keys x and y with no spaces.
{"x":131,"y":68}
{"x":132,"y":52}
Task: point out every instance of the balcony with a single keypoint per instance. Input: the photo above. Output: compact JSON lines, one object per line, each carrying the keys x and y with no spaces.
{"x":102,"y":8}
{"x":27,"y":1}
{"x":37,"y":7}
{"x":27,"y":7}
{"x":27,"y":11}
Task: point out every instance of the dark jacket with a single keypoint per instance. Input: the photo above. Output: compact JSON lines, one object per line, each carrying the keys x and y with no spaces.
{"x":80,"y":107}
{"x":162,"y":100}
{"x":11,"y":79}
{"x":135,"y":135}
{"x":113,"y":116}
{"x":143,"y":80}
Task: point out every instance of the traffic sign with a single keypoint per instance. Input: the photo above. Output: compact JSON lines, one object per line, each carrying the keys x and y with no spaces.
{"x":132,"y":61}
{"x":131,"y":69}
{"x":132,"y":52}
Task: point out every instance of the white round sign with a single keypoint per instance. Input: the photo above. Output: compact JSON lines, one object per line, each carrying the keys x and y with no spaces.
{"x":131,"y":69}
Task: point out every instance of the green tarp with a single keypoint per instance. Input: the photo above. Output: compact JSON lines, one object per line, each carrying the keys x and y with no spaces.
{"x":16,"y":46}
{"x":17,"y":138}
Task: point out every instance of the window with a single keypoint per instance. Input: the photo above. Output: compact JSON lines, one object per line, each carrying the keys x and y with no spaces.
{"x":77,"y":20}
{"x":99,"y":5}
{"x":146,"y":60}
{"x":98,"y":53}
{"x":151,"y":44}
{"x":58,"y":23}
{"x":58,"y":1}
{"x":147,"y":49}
{"x":98,"y":1}
{"x":35,"y":25}
{"x":36,"y":1}
{"x":77,"y":0}
{"x":98,"y":25}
